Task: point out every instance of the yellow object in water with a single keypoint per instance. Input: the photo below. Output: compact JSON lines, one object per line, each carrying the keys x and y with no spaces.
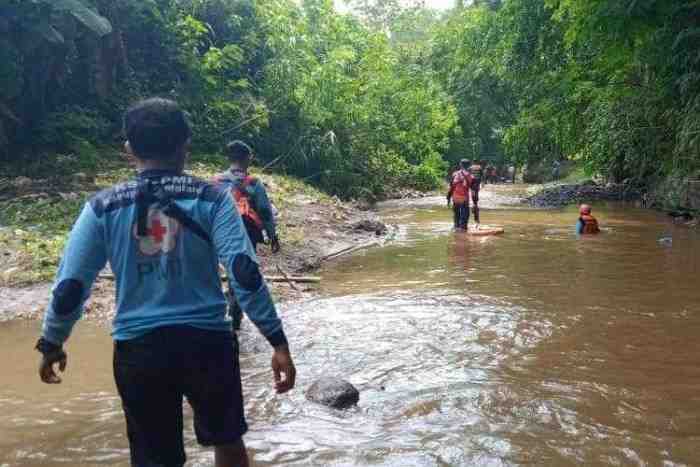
{"x":485,"y":230}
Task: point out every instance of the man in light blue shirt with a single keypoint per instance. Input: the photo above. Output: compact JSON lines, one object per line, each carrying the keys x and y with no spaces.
{"x":164,"y":234}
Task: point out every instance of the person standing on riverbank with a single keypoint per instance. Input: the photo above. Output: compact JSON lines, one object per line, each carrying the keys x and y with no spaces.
{"x":164,"y":235}
{"x":587,"y":224}
{"x":458,"y":194}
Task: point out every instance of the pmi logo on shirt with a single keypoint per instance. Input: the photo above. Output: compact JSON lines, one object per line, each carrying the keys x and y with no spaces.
{"x":162,"y":233}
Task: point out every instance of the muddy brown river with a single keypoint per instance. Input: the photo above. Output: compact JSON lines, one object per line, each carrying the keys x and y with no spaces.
{"x":531,"y":348}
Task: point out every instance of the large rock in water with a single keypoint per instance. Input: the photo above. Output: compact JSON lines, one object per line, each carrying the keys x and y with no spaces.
{"x":333,"y":392}
{"x":371,"y":225}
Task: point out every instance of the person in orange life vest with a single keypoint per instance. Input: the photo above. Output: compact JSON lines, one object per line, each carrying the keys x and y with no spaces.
{"x":587,"y":224}
{"x":253,"y":205}
{"x":459,"y":195}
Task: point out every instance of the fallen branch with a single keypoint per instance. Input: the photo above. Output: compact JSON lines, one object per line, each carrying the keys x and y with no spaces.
{"x":348,"y":250}
{"x":287,"y":278}
{"x":298,"y":280}
{"x":295,"y":279}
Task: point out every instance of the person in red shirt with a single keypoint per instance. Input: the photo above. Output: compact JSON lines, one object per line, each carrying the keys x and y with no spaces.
{"x":459,"y":195}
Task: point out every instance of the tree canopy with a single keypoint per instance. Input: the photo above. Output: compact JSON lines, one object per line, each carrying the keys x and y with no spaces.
{"x":364,"y":102}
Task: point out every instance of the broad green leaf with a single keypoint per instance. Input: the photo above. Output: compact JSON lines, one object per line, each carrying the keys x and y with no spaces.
{"x":88,"y":17}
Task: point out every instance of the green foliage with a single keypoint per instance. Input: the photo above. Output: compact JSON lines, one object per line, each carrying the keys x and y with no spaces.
{"x":360,"y":104}
{"x":429,"y":175}
{"x":320,"y":95}
{"x":37,"y":229}
{"x":71,"y":129}
{"x":613,"y":84}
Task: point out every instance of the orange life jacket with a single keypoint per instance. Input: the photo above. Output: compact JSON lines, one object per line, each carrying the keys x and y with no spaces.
{"x":461,"y":181}
{"x":244,"y":203}
{"x":590,"y":224}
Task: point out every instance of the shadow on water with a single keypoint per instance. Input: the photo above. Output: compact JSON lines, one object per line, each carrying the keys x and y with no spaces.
{"x":531,"y":348}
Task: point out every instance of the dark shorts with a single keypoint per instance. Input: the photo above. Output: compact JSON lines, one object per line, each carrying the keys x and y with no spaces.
{"x":461,"y":215}
{"x":154,"y":372}
{"x":475,"y":187}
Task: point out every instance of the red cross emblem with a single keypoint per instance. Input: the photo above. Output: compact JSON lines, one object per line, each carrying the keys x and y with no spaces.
{"x":161,"y":234}
{"x":157,"y":231}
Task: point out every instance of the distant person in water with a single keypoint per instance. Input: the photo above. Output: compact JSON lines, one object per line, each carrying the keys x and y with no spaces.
{"x":476,"y":170}
{"x":556,"y":169}
{"x":491,"y":174}
{"x":587,"y":224}
{"x":458,"y":195}
{"x":511,"y":173}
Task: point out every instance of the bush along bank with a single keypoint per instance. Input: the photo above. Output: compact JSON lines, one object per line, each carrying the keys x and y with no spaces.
{"x":677,"y":195}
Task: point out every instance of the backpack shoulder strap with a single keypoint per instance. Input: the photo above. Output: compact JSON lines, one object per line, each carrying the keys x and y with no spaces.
{"x":171,"y":209}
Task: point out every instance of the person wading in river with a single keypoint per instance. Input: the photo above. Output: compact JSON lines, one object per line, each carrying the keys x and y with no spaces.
{"x":164,"y":235}
{"x":459,"y":195}
{"x":587,"y":224}
{"x":476,"y":170}
{"x":253,"y":205}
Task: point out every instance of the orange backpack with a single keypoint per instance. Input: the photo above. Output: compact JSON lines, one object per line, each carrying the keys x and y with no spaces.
{"x":245,"y":205}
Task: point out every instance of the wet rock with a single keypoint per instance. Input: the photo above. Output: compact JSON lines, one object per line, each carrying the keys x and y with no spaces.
{"x":370,"y":225}
{"x":80,"y":177}
{"x":333,"y":392}
{"x":22,"y":182}
{"x":562,"y":195}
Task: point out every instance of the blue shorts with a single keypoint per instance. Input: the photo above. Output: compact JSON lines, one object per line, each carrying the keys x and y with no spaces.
{"x":155,"y":371}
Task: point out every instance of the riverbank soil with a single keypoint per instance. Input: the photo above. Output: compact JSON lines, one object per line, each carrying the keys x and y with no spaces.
{"x":36,"y":216}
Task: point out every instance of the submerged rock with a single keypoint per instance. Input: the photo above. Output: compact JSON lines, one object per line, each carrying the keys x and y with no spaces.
{"x":333,"y":392}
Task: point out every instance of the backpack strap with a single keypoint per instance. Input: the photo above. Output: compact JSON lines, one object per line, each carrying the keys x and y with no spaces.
{"x":148,"y":194}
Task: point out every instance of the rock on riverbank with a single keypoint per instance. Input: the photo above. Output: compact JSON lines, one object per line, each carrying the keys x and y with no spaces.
{"x":561,"y":195}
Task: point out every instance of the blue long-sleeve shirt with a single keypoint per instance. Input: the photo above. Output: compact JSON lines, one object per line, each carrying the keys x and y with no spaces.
{"x":167,"y":275}
{"x":258,"y":194}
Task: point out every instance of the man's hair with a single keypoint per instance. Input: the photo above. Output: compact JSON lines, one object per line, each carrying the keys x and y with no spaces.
{"x":238,"y":151}
{"x":465,"y":163}
{"x":156,"y":128}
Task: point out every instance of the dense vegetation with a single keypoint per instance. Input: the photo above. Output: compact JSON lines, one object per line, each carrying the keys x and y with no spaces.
{"x":614,"y":84}
{"x":320,"y":95}
{"x":361,"y":104}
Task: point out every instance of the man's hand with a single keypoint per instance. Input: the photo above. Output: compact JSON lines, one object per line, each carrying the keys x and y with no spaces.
{"x":275,"y":244}
{"x":282,"y":364}
{"x":46,"y":366}
{"x":449,"y":200}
